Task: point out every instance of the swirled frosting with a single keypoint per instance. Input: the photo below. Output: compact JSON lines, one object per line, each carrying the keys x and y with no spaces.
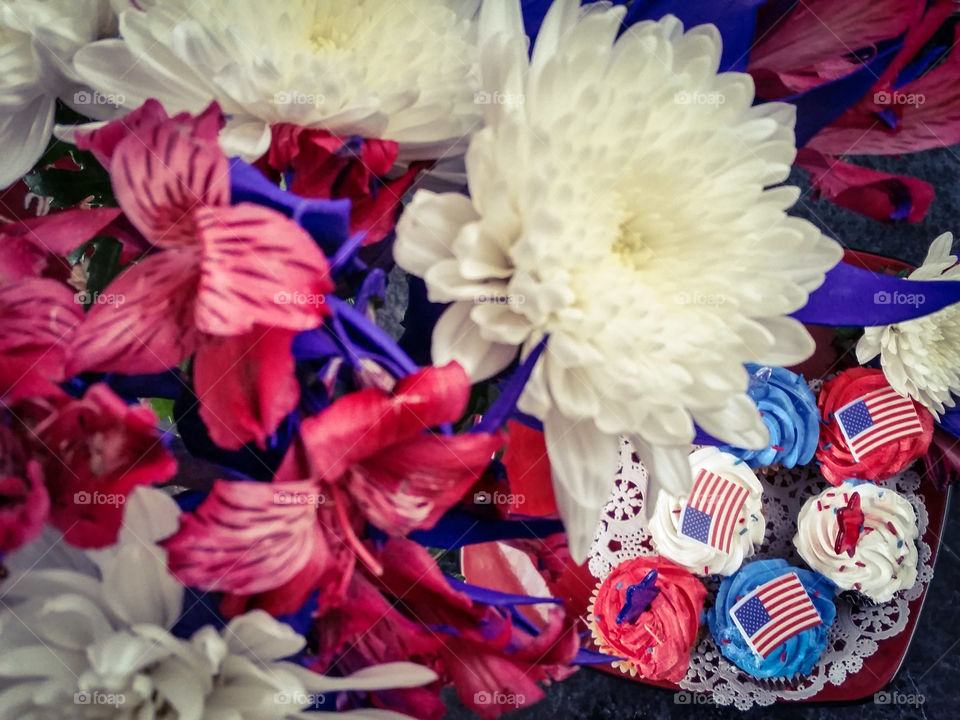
{"x":789,"y":410}
{"x":703,"y":558}
{"x":795,"y":656}
{"x":878,"y":562}
{"x":656,"y":645}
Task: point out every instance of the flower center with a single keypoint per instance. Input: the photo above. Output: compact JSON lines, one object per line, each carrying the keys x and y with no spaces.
{"x":327,"y":38}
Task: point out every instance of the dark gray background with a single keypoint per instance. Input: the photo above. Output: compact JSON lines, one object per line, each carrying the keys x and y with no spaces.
{"x":932,"y":665}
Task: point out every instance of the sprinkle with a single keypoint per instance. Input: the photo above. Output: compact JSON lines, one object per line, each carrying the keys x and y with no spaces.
{"x":900,"y":560}
{"x":893,"y":577}
{"x":831,"y":494}
{"x":754,"y":517}
{"x":828,"y":446}
{"x":891,"y":528}
{"x":677,"y":512}
{"x":725,"y":641}
{"x":830,"y":416}
{"x":650,"y":650}
{"x":743,"y":520}
{"x":857,"y":586}
{"x":816,"y":593}
{"x":743,"y":531}
{"x":842,"y":568}
{"x":819,"y":463}
{"x":859,"y":564}
{"x":819,"y":506}
{"x":783,"y":656}
{"x":899,"y":543}
{"x":825,"y":422}
{"x":739,"y":598}
{"x":706,"y":570}
{"x":619,"y":585}
{"x":738,"y":461}
{"x":778,"y":448}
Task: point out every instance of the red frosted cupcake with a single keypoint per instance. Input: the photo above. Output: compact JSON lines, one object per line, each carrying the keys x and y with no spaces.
{"x":647,"y":612}
{"x":869,"y":431}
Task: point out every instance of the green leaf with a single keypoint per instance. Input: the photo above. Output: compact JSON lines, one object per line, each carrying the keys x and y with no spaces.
{"x":104,"y":263}
{"x":163,"y":407}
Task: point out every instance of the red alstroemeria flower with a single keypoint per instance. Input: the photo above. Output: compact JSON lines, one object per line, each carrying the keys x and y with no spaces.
{"x":95,"y":450}
{"x":37,"y":247}
{"x":332,"y":167}
{"x":495,"y":665}
{"x":37,"y":320}
{"x":367,"y":457}
{"x":24,"y":502}
{"x":73,"y":462}
{"x":231,"y":284}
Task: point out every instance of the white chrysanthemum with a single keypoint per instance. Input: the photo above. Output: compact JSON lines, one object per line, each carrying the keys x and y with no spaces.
{"x":617,"y":204}
{"x":379,"y":68}
{"x":921,"y":358}
{"x":38,"y":39}
{"x":87,"y":635}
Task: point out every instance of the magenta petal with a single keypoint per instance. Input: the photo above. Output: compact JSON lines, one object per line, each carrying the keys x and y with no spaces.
{"x":258,"y":267}
{"x":145,"y":322}
{"x":37,"y":320}
{"x":159,"y":177}
{"x":245,"y":385}
{"x":24,"y":506}
{"x":876,"y":194}
{"x":247,"y":537}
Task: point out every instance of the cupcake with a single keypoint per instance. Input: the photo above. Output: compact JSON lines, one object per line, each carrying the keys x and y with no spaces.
{"x":862,"y":537}
{"x":719,"y":523}
{"x":647,"y":611}
{"x":789,"y":410}
{"x":771,"y":619}
{"x":870,"y":431}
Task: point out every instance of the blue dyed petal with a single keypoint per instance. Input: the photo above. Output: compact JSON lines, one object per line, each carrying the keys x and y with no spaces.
{"x":458,"y":528}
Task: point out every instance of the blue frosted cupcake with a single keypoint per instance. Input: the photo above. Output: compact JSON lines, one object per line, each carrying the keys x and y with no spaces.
{"x":771,"y":619}
{"x":789,"y":410}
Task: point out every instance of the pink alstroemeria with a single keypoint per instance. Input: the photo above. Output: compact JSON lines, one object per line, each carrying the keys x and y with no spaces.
{"x":232,"y":284}
{"x":37,"y":320}
{"x":367,"y":457}
{"x":332,"y":167}
{"x":72,"y":462}
{"x":481,"y":651}
{"x":95,"y":451}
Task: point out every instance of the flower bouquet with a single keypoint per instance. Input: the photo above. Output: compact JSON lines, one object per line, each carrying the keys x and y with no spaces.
{"x":297,"y":301}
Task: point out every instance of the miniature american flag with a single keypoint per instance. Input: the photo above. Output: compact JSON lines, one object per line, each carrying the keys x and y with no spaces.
{"x":877,"y":418}
{"x":712,"y":510}
{"x":773,"y":613}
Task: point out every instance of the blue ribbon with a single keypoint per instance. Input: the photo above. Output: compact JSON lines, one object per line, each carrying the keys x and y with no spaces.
{"x":852,"y":296}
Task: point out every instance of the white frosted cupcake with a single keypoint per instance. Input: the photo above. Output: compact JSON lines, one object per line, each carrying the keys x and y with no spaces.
{"x":861,"y":536}
{"x":719,"y":523}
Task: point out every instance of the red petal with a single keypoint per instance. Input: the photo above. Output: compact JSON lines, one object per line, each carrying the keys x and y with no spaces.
{"x":24,"y":506}
{"x":246,"y":385}
{"x":876,"y":194}
{"x":160,"y":175}
{"x":528,"y":471}
{"x":37,"y":318}
{"x":818,"y":30}
{"x":259,"y":267}
{"x":245,"y":538}
{"x":359,"y":425}
{"x":376,"y":213}
{"x":149,"y":325}
{"x":410,"y":486}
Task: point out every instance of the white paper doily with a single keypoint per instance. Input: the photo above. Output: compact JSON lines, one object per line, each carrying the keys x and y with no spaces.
{"x":622,"y":534}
